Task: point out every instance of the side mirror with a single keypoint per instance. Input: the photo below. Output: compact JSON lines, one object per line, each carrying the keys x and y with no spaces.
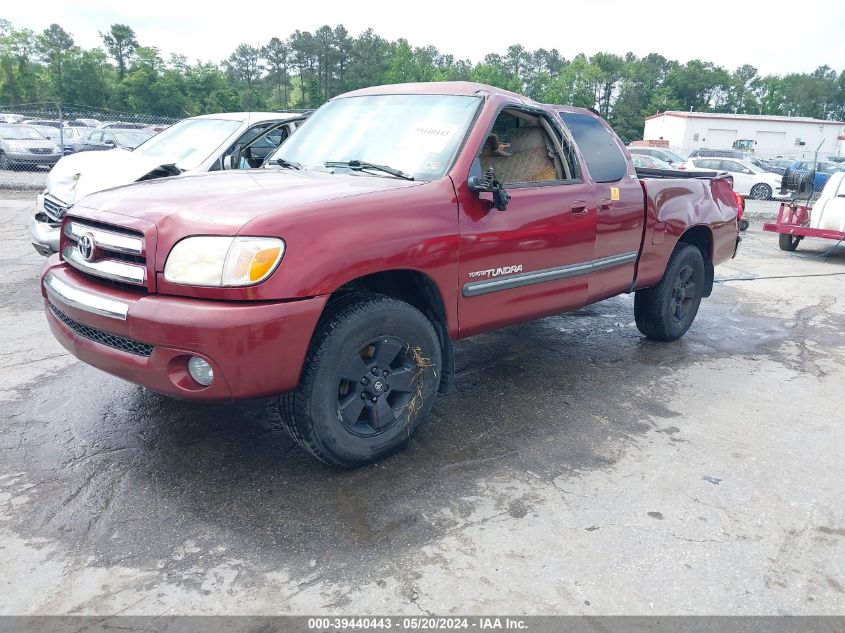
{"x":232,"y":161}
{"x":490,"y":184}
{"x":110,"y":143}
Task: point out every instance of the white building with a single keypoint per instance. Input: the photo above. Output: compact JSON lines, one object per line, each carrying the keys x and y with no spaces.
{"x":770,"y":136}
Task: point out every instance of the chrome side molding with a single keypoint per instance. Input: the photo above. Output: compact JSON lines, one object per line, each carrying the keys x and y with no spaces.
{"x":477,"y":288}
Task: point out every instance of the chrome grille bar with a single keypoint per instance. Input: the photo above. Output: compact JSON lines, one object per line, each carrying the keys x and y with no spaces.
{"x":106,"y":240}
{"x":113,"y":269}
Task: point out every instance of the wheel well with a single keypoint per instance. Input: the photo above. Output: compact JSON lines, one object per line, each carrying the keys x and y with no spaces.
{"x":702,"y":238}
{"x":420,"y":291}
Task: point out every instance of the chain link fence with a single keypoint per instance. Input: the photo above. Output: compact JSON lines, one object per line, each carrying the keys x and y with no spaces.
{"x":34,"y":136}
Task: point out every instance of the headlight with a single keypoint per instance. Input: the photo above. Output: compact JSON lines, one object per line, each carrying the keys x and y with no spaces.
{"x":16,"y":147}
{"x":223,"y":261}
{"x":56,"y":149}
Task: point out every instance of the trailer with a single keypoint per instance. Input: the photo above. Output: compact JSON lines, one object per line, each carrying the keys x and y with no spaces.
{"x":823,"y":218}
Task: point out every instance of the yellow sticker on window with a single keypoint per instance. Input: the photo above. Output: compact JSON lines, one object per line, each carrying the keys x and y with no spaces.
{"x":614,"y":193}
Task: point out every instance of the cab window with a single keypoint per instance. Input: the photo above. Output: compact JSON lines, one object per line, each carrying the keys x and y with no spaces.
{"x":524,"y":148}
{"x":598,"y":146}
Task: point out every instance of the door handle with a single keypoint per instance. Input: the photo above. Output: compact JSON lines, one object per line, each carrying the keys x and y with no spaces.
{"x":606,"y":205}
{"x":579,"y":207}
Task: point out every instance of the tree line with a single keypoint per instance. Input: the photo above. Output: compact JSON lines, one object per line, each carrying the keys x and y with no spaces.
{"x":306,"y":69}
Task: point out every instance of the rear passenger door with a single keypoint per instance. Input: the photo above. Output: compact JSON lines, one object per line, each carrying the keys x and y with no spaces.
{"x":620,"y":214}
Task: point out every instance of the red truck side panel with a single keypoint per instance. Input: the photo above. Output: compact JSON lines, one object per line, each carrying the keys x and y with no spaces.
{"x":672,"y":207}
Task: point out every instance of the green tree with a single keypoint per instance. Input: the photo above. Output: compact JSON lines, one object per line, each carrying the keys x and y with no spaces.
{"x":55,"y":45}
{"x":277,"y":54}
{"x":121,"y":44}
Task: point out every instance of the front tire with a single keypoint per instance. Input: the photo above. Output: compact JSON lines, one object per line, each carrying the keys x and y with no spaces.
{"x":4,"y":162}
{"x":760,"y":191}
{"x":666,"y":311}
{"x":368,"y":383}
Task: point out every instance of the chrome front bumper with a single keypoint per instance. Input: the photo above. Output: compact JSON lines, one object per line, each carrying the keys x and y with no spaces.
{"x":84,"y":300}
{"x":44,"y":237}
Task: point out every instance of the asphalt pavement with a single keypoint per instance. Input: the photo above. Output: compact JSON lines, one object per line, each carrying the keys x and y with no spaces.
{"x":578,"y":468}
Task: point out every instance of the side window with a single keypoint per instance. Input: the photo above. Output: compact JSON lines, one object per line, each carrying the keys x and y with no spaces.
{"x":733,"y":166}
{"x":598,"y":146}
{"x":523,"y":147}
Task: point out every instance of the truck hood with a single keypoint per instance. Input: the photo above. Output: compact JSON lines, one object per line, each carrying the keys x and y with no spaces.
{"x":77,"y":175}
{"x":222,"y":202}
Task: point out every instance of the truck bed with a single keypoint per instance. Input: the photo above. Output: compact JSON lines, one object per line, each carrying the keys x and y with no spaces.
{"x":663,"y":174}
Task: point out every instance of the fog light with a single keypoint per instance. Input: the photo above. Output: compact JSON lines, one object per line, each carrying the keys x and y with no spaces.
{"x":200,"y":370}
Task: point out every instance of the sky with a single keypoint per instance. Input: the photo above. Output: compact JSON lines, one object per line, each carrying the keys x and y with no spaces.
{"x":776,"y":37}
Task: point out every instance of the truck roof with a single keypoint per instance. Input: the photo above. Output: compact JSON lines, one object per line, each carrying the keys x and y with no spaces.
{"x":457,"y":88}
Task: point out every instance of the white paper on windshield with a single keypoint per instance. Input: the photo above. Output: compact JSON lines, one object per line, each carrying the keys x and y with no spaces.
{"x":431,"y":138}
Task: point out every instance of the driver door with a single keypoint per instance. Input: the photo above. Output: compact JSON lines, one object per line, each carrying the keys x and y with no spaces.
{"x":523,"y":262}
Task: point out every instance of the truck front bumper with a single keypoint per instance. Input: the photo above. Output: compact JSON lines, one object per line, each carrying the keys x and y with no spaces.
{"x":254,"y":348}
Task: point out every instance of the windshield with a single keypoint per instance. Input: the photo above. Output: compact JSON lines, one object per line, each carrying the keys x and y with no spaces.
{"x":54,"y":133}
{"x":674,"y":157}
{"x":751,"y":166}
{"x":130,"y":138}
{"x":20,"y":133}
{"x":417,"y":134}
{"x":189,"y":142}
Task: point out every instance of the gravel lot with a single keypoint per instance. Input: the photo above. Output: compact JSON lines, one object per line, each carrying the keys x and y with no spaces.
{"x":577,"y":469}
{"x":33,"y":179}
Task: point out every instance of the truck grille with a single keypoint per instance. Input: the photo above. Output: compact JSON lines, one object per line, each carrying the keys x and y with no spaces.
{"x":106,"y":251}
{"x":54,"y":207}
{"x":40,"y":150}
{"x":103,"y":338}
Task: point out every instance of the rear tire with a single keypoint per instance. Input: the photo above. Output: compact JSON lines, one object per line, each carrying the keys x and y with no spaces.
{"x":368,"y":383}
{"x":666,"y":311}
{"x":760,"y":191}
{"x":788,"y":242}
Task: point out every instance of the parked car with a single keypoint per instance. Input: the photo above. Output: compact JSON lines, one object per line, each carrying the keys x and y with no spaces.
{"x":9,"y":117}
{"x":22,"y":145}
{"x":820,"y":172}
{"x":108,"y":138}
{"x":68,"y":138}
{"x":749,"y":179}
{"x":118,"y":125}
{"x":748,"y":157}
{"x":778,"y":165}
{"x":641,"y":161}
{"x":340,"y":274}
{"x":46,"y":123}
{"x":89,"y":122}
{"x":198,"y":144}
{"x":666,"y":155}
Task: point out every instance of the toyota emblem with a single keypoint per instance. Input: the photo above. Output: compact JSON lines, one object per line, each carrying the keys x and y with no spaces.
{"x":86,"y":247}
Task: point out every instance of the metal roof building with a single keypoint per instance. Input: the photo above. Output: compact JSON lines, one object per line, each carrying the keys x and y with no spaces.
{"x":769,"y":136}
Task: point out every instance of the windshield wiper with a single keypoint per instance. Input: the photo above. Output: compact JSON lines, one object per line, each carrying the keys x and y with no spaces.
{"x":359,"y":165}
{"x":287,"y":164}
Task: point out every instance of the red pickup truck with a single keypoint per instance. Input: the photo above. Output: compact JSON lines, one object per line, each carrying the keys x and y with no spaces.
{"x":396,"y":221}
